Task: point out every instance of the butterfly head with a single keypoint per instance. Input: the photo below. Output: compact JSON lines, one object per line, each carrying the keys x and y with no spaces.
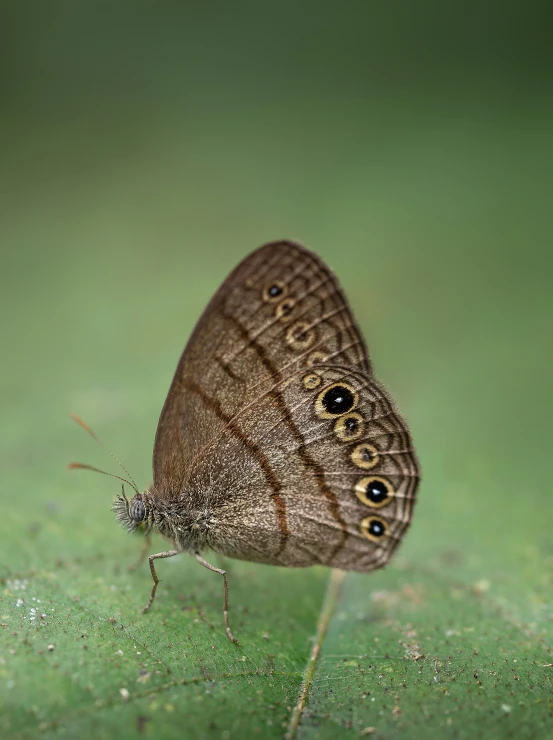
{"x":132,"y":514}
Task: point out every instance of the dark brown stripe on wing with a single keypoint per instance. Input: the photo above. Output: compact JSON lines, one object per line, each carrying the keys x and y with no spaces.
{"x":227,"y":369}
{"x":310,"y":463}
{"x":257,"y":454}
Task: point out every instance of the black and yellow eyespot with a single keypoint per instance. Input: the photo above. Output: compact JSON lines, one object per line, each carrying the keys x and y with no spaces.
{"x":311,"y":381}
{"x":374,"y":491}
{"x":364,"y":456}
{"x":336,"y":400}
{"x":350,"y":427}
{"x":285,"y":309}
{"x":300,"y":335}
{"x":275,"y":291}
{"x":374,"y":528}
{"x":316,"y":358}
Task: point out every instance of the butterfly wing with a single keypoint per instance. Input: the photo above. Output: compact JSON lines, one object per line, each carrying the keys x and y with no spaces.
{"x":275,"y":420}
{"x":235,"y":351}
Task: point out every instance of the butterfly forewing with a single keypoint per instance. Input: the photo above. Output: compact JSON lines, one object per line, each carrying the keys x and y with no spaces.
{"x":275,"y":423}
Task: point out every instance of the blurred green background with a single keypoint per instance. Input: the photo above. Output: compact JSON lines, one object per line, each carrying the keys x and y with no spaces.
{"x":146,"y":148}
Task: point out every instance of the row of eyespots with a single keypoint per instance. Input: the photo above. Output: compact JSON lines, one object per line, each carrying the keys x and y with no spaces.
{"x":277,"y":292}
{"x":337,"y":401}
{"x":300,"y":335}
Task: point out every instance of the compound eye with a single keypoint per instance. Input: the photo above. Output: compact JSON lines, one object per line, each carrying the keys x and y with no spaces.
{"x":138,"y":510}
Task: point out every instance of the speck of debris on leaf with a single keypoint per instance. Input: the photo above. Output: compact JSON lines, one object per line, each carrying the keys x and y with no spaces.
{"x":481,"y":587}
{"x":124,"y":694}
{"x":50,"y":647}
{"x":367,"y":731}
{"x":506,"y":708}
{"x":143,"y":677}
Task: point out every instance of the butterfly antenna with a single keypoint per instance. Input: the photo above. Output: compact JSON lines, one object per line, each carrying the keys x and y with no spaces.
{"x":82,"y":466}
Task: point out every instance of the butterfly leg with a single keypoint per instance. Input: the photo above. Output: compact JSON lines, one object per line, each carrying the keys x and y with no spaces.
{"x":143,"y":553}
{"x":221,"y":572}
{"x":168,"y":554}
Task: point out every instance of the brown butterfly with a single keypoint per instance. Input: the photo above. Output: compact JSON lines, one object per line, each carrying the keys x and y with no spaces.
{"x":276,"y":443}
